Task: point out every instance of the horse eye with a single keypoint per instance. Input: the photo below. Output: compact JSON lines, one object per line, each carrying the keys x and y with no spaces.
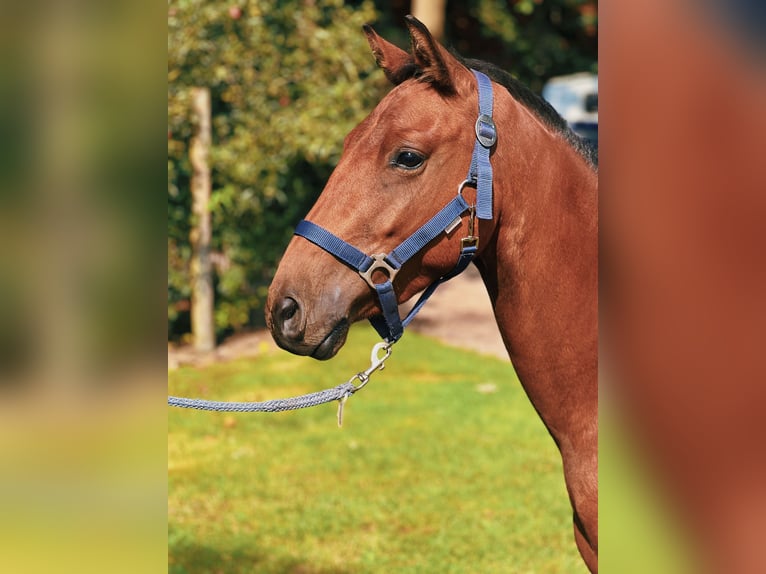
{"x":409,"y":160}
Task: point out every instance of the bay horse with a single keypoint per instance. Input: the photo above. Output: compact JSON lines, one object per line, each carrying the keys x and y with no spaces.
{"x":535,"y":244}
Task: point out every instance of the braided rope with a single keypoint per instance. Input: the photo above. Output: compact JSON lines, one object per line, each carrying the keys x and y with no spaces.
{"x":274,"y":406}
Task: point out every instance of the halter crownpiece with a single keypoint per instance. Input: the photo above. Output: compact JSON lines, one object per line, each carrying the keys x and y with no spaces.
{"x":486,"y":137}
{"x":389,"y":325}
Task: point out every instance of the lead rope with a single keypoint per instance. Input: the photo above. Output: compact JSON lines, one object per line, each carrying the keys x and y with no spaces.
{"x":380,"y":352}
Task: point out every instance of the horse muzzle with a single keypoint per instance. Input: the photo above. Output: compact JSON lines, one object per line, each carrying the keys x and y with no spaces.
{"x":287,"y":317}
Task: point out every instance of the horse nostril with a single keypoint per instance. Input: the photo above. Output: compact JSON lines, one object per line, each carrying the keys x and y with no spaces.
{"x":289,"y":308}
{"x":290,"y":318}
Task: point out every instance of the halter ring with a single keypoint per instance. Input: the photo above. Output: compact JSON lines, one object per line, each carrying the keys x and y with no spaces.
{"x":470,"y":181}
{"x":379,"y":263}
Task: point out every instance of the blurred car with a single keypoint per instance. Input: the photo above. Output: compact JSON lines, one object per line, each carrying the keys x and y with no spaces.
{"x":575,"y":98}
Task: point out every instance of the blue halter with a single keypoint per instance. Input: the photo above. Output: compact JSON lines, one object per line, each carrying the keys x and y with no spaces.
{"x":389,"y":325}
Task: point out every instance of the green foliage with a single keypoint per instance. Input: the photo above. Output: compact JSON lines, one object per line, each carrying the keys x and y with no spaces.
{"x":442,"y":466}
{"x":288,"y":81}
{"x":531,"y":39}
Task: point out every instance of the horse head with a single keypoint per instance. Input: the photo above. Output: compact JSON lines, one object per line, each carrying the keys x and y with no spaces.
{"x":398,"y":167}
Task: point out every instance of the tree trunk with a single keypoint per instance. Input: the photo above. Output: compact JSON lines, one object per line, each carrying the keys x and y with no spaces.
{"x":202,"y":298}
{"x":431,"y":13}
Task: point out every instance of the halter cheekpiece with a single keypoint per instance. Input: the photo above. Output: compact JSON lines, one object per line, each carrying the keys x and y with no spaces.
{"x":389,"y":325}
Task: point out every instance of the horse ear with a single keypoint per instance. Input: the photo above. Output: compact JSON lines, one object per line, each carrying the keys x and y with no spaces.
{"x":397,"y":64}
{"x":431,"y":58}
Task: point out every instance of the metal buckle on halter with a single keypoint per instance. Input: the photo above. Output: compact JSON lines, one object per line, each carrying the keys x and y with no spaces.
{"x":486,"y":132}
{"x":379,"y":263}
{"x":469,"y":181}
{"x":470,"y":240}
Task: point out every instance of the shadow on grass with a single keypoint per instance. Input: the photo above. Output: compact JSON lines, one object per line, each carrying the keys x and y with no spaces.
{"x":200,"y":559}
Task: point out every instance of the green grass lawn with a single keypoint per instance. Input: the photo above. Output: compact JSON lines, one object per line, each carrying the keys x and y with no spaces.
{"x":427,"y":475}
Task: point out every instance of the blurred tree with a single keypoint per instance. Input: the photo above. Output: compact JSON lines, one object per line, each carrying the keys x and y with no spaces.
{"x":288,"y":81}
{"x":201,"y":267}
{"x":532,"y":39}
{"x":431,"y":13}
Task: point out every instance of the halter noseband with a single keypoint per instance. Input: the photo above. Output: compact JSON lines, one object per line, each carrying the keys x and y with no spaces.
{"x":389,"y":325}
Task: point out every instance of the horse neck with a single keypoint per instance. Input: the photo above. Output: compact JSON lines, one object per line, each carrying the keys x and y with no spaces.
{"x":540,"y":269}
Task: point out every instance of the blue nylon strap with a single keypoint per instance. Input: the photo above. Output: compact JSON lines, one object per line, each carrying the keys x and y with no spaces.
{"x":428,"y":231}
{"x":390,"y":306}
{"x":388,"y":325}
{"x":378,"y":323}
{"x":486,"y":136}
{"x":466,"y":256}
{"x":347,"y":253}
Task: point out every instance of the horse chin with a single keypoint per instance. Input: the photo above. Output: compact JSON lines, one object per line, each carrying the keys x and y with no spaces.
{"x":332,"y":343}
